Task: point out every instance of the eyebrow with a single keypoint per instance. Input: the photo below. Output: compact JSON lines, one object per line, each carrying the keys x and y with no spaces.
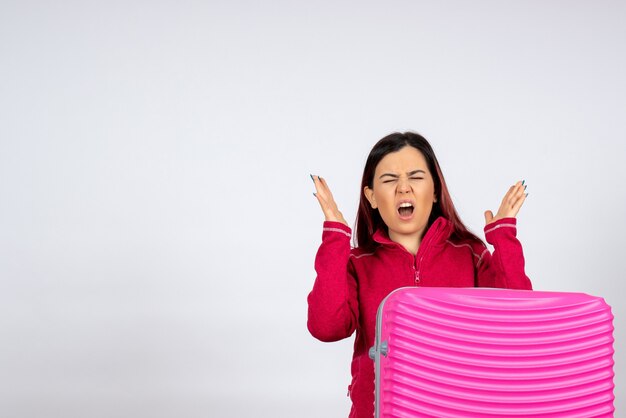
{"x":408,"y":174}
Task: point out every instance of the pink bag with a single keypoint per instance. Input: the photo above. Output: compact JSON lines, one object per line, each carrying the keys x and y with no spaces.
{"x":479,"y":352}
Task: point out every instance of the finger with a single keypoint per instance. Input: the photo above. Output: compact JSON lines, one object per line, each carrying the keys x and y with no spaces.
{"x":507,"y":197}
{"x":518,"y":204}
{"x":325,"y":187}
{"x":488,"y":216}
{"x":514,"y":189}
{"x":321,"y":198}
{"x":514,"y":193}
{"x":331,"y":212}
{"x":320,"y":188}
{"x":515,"y":196}
{"x":323,"y":204}
{"x":326,"y":200}
{"x":519,"y":188}
{"x":519,"y":193}
{"x":316,"y":181}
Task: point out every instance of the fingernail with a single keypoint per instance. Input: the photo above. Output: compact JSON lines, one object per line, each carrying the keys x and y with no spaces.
{"x":319,"y":178}
{"x":523,"y":181}
{"x":525,"y":187}
{"x":314,"y":195}
{"x":526,"y":194}
{"x":312,"y":178}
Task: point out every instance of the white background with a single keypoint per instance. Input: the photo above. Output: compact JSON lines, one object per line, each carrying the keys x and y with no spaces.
{"x":157,"y":223}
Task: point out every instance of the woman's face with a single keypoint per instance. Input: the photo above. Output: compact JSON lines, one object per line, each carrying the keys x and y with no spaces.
{"x":402,"y":179}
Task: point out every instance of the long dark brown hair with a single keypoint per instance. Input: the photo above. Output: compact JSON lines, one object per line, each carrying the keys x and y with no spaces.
{"x":368,"y":220}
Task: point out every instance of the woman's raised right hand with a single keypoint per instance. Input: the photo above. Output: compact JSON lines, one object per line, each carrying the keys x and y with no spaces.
{"x":326,"y":201}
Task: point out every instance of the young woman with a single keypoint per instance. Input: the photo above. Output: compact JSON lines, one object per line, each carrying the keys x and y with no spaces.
{"x":407,"y":234}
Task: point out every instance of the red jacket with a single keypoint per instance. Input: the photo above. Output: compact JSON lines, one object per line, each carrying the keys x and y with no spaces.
{"x":351,"y":284}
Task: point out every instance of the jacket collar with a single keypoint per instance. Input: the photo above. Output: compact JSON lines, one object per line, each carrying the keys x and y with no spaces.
{"x":438,"y":233}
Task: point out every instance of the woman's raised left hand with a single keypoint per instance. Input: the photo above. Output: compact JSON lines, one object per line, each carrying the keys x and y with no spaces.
{"x":511,"y":204}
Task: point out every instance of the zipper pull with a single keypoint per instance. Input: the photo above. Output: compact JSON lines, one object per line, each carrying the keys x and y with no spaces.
{"x":417,"y":276}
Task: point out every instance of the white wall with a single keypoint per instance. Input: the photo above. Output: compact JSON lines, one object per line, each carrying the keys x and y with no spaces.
{"x":157,"y":223}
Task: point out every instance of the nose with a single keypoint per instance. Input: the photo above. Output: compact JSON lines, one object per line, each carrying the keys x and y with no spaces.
{"x":403,"y":185}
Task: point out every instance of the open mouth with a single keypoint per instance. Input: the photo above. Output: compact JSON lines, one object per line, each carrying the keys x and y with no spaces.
{"x":405,"y":209}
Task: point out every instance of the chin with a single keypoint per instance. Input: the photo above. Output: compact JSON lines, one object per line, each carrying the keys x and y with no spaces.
{"x":408,"y":229}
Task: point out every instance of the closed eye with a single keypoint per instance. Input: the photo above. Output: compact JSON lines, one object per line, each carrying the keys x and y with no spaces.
{"x":411,"y":178}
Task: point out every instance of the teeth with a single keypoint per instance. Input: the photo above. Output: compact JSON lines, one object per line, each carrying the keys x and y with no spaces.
{"x":406,"y":205}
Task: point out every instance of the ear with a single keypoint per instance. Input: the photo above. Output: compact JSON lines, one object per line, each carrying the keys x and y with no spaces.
{"x":369,"y":194}
{"x":434,"y":198}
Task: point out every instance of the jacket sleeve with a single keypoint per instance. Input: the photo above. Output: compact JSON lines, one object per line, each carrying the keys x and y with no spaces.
{"x":505,"y":267}
{"x":333,"y":305}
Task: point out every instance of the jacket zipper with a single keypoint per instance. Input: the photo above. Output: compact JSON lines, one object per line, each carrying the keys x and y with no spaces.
{"x":424,"y":247}
{"x":417,"y":271}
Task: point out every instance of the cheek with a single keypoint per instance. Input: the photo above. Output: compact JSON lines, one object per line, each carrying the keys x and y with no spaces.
{"x":386,"y":199}
{"x":429,"y":192}
{"x":427,"y":200}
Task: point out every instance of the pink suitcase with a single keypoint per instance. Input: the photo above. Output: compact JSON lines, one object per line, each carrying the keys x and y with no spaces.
{"x":478,"y":352}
